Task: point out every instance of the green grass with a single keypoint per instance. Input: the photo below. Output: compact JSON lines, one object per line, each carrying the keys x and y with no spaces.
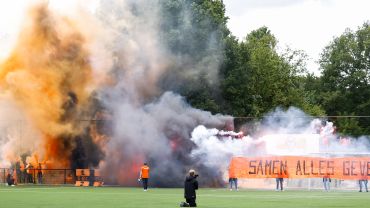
{"x":107,"y":197}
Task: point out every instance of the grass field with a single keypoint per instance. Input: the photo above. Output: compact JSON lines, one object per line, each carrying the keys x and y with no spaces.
{"x":107,"y":197}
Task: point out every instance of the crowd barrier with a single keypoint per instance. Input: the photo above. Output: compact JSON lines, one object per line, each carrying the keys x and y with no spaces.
{"x":53,"y":176}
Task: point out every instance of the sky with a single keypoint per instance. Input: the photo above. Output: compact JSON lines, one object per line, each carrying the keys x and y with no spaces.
{"x":307,"y":25}
{"x":13,"y":12}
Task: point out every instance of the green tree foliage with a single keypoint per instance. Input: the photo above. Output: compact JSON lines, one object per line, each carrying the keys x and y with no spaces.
{"x":345,"y":81}
{"x":194,"y":31}
{"x":309,"y":86}
{"x":262,"y":79}
{"x":193,"y":27}
{"x":219,"y":73}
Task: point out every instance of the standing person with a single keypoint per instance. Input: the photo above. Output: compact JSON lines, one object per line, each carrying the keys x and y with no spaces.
{"x":232,"y":179}
{"x":191,"y":184}
{"x":23,"y":172}
{"x":30,"y":171}
{"x":326,"y":180}
{"x":39,"y":173}
{"x":363,"y":181}
{"x":279,"y":182}
{"x":18,"y":171}
{"x":144,"y":176}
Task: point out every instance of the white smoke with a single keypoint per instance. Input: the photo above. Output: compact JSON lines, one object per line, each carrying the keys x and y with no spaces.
{"x":290,"y":132}
{"x":215,"y":150}
{"x":291,"y":121}
{"x":17,"y":134}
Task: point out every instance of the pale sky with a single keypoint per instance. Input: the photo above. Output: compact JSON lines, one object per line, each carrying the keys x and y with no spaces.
{"x":307,"y":25}
{"x":12,"y":13}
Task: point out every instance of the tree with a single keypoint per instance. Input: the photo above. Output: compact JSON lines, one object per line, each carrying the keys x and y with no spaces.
{"x":309,"y":87}
{"x":345,"y":82}
{"x":263,"y":79}
{"x":193,"y":32}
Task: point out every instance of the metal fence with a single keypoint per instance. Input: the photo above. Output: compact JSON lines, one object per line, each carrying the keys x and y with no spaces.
{"x":39,"y":176}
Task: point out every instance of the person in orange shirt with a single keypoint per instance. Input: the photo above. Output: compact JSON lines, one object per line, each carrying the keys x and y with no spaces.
{"x":233,"y":179}
{"x":144,"y":176}
{"x":279,"y":183}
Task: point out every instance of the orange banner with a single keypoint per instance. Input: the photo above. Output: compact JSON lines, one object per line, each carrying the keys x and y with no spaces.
{"x":352,"y":168}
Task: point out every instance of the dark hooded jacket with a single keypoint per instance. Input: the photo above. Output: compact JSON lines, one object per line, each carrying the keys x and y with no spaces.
{"x":191,"y":184}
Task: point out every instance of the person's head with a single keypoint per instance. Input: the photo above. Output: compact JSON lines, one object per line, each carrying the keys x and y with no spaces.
{"x":145,"y":163}
{"x":191,"y":172}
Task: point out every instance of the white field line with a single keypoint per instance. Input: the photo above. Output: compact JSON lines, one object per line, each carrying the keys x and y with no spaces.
{"x":264,"y":196}
{"x":279,"y":196}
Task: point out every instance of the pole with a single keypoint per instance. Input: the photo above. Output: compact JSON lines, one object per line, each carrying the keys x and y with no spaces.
{"x":34,"y":176}
{"x":65,"y":176}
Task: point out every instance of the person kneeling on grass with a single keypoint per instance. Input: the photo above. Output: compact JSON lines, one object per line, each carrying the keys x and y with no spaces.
{"x":191,"y":184}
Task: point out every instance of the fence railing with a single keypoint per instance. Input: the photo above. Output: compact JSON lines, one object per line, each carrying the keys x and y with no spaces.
{"x":39,"y":176}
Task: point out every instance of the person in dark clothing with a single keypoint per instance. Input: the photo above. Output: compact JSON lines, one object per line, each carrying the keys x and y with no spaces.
{"x":10,"y":179}
{"x":363,"y":183}
{"x":18,"y":171}
{"x":39,"y":173}
{"x":191,"y":184}
{"x":30,"y":172}
{"x":326,"y":181}
{"x":279,"y":182}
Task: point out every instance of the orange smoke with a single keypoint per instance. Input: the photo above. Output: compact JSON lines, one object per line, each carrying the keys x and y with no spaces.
{"x":48,"y":74}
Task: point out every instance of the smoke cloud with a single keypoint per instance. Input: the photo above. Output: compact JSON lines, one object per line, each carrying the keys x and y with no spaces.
{"x":102,"y":91}
{"x":151,"y":122}
{"x":97,"y":92}
{"x":48,"y":77}
{"x":280,"y":132}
